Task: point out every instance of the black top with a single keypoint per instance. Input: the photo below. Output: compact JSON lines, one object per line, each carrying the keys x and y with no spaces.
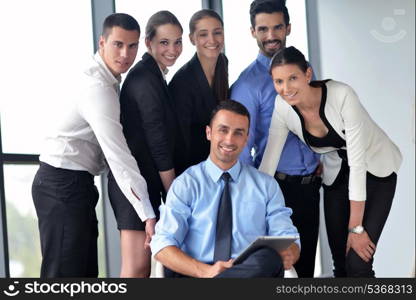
{"x":332,"y":138}
{"x":148,"y":120}
{"x":194,"y":101}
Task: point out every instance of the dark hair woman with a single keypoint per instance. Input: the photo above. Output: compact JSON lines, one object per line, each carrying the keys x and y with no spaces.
{"x":359,"y":160}
{"x":149,"y":126}
{"x":199,"y":86}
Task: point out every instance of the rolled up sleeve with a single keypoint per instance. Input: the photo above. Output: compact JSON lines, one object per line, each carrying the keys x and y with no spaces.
{"x":174,"y":214}
{"x":101,"y":109}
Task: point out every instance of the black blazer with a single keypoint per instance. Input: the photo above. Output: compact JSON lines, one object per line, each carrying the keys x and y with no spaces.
{"x":148,"y":120}
{"x":194,"y":101}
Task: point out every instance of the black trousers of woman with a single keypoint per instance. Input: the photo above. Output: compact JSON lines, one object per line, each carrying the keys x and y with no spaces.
{"x":380,"y":192}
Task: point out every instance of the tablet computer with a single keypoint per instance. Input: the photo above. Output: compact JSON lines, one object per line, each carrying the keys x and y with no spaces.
{"x":277,"y":243}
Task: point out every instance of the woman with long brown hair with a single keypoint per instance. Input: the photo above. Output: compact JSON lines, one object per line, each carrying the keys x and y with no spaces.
{"x":198,"y":87}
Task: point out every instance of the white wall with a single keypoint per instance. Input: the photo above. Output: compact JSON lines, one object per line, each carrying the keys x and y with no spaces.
{"x":370,"y":44}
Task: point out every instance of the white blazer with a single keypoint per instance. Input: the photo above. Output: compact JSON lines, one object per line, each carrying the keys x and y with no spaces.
{"x":368,"y":147}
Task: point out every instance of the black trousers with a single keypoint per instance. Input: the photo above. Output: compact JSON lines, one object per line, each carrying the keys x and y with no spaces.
{"x":303,"y":199}
{"x":262,"y":263}
{"x":380,"y":192}
{"x":65,"y":203}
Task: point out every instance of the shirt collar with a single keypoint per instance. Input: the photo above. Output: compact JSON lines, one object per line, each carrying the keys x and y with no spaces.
{"x":109,"y":76}
{"x":215,"y":172}
{"x":264,"y":60}
{"x":164,"y":72}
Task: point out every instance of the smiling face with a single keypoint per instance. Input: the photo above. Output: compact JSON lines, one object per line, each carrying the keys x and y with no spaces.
{"x":291,"y":82}
{"x":208,"y":37}
{"x":228,"y":134}
{"x":166,"y":45}
{"x":270,"y":32}
{"x":119,"y":49}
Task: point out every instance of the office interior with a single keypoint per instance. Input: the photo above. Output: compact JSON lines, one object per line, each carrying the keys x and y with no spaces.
{"x":369,"y":44}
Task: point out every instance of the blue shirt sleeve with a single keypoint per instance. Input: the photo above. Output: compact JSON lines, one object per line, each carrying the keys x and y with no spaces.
{"x":172,"y":226}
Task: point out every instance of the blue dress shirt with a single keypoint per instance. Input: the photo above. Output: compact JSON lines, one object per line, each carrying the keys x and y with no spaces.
{"x":189,"y":216}
{"x":254,"y":89}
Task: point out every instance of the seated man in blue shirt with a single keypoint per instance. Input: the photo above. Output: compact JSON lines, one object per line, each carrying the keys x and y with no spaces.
{"x":191,"y":241}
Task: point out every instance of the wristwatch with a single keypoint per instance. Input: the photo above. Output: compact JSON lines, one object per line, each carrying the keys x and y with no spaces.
{"x":356,"y":229}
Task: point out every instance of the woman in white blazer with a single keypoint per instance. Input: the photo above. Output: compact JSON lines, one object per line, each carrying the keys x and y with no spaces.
{"x":359,"y":160}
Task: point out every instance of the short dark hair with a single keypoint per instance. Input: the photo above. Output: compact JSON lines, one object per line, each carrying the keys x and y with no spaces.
{"x":268,"y":7}
{"x":289,"y":56}
{"x":158,"y":19}
{"x":124,"y":21}
{"x":233,"y":106}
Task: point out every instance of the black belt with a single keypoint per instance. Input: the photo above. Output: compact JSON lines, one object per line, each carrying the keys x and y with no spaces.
{"x":307,"y":179}
{"x":44,"y":167}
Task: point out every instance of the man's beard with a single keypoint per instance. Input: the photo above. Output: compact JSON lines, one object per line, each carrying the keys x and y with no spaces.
{"x":270,"y":53}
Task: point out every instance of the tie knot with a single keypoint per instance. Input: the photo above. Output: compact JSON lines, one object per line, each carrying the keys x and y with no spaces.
{"x":225,"y":176}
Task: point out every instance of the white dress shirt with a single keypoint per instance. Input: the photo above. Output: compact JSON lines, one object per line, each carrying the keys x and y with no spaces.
{"x":368,"y":147}
{"x":89,"y":133}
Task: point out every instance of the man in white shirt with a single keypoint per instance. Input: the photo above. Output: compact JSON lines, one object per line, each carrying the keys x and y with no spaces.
{"x":88,"y":137}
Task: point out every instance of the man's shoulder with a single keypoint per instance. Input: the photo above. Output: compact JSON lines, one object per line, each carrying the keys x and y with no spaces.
{"x":260,"y":183}
{"x":251,"y":173}
{"x":194,"y":175}
{"x":252,"y":75}
{"x":250,"y":82}
{"x":94,"y":75}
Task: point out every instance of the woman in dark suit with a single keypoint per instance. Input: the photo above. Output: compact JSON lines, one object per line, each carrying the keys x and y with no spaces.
{"x":198,"y":87}
{"x":149,"y":126}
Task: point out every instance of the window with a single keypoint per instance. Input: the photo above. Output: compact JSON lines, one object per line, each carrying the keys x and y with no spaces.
{"x":41,"y":51}
{"x":22,"y":225}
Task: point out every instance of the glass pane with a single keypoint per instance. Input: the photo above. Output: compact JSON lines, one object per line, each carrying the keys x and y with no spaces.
{"x":102,"y":267}
{"x":241,"y":48}
{"x":22,"y":224}
{"x":182,"y":9}
{"x":42,"y":49}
